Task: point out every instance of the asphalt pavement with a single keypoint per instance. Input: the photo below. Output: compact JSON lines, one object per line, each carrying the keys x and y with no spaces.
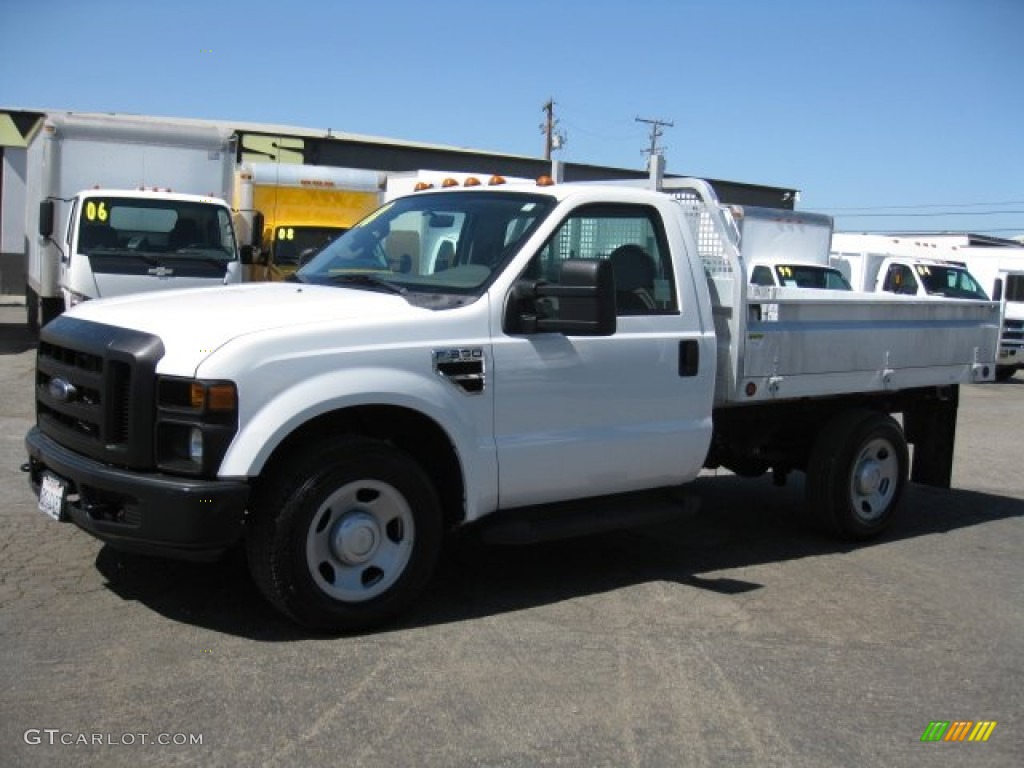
{"x":733,"y":638}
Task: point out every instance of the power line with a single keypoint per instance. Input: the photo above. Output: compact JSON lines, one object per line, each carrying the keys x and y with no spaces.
{"x":908,"y":215}
{"x":604,"y":137}
{"x":912,"y":207}
{"x":974,"y":230}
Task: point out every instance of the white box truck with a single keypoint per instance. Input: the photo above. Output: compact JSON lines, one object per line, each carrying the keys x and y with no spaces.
{"x":582,"y":352}
{"x":942,"y":265}
{"x":1000,"y":270}
{"x":126,"y":205}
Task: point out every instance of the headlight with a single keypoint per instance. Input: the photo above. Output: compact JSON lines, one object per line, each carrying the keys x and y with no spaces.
{"x":196,"y":421}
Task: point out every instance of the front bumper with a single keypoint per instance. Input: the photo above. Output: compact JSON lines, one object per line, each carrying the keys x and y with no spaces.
{"x":149,"y":513}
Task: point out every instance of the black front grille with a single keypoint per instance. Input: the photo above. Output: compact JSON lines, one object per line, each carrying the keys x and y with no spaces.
{"x":95,"y":388}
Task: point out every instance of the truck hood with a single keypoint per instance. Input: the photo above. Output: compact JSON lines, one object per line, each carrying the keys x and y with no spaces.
{"x":194,"y":323}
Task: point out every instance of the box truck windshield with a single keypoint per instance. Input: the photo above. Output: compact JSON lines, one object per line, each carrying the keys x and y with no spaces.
{"x":948,"y":280}
{"x":951,"y":282}
{"x":292,"y":246}
{"x":799,"y":276}
{"x":131,"y":235}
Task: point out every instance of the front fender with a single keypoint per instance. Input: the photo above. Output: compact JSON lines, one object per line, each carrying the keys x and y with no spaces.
{"x":265,"y":422}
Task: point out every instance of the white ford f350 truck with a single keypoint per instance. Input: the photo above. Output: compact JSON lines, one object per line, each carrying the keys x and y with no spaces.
{"x":569,"y":342}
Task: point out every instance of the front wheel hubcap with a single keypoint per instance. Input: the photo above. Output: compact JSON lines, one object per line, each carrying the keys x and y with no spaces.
{"x":354,"y":538}
{"x":360,"y":541}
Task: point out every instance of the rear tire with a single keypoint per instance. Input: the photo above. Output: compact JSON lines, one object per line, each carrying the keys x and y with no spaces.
{"x":856,"y":474}
{"x":345,"y":535}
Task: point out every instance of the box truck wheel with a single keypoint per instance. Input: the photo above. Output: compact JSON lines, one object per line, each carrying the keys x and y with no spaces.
{"x":1005,"y":372}
{"x":345,"y":535}
{"x":856,"y":474}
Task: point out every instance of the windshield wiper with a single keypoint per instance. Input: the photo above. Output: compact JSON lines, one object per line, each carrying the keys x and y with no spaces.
{"x":194,"y":255}
{"x":121,"y":252}
{"x":370,"y":281}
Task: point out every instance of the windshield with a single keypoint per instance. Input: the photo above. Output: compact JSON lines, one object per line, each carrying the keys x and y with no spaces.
{"x":951,"y":282}
{"x":128,"y":234}
{"x":442,"y":242}
{"x":294,"y":243}
{"x":810,"y":276}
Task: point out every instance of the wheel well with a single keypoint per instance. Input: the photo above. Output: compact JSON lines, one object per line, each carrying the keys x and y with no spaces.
{"x":752,"y":439}
{"x":412,"y":432}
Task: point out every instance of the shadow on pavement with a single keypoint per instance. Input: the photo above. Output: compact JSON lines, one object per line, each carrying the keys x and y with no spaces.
{"x":741,"y":523}
{"x":15,"y":338}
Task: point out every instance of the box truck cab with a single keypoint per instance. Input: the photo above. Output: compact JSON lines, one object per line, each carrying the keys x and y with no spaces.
{"x":114,"y":242}
{"x":879,"y":263}
{"x":920,"y":277}
{"x":85,"y":176}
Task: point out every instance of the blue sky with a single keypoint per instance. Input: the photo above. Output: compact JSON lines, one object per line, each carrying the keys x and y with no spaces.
{"x":895,"y":106}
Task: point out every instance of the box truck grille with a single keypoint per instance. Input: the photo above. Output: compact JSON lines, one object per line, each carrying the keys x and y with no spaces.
{"x":1013,"y":333}
{"x":95,"y":387}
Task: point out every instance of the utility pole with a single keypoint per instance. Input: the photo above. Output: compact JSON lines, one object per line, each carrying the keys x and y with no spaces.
{"x":549,"y":127}
{"x":656,"y":133}
{"x":552,"y":139}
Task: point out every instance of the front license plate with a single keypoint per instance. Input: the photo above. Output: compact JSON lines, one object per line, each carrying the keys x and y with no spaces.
{"x":51,"y":496}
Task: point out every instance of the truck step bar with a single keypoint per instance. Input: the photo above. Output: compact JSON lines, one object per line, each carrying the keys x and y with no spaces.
{"x":550,"y":522}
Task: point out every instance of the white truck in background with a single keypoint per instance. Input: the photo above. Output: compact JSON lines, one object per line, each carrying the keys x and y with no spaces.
{"x":1000,"y":270}
{"x":882,"y":263}
{"x":942,"y":265}
{"x":125,"y":206}
{"x":585,"y":351}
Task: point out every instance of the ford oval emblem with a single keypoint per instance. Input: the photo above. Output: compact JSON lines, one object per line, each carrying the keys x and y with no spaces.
{"x":62,"y":390}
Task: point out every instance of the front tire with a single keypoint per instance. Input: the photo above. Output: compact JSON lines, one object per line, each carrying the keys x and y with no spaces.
{"x":856,"y":474}
{"x":346,"y":535}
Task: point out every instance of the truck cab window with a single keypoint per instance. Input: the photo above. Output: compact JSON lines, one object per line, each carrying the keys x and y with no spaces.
{"x":761,"y":276}
{"x":899,"y":279}
{"x":632,"y":238}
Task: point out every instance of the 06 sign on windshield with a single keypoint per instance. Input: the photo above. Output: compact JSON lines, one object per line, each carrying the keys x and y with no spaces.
{"x":96,"y":211}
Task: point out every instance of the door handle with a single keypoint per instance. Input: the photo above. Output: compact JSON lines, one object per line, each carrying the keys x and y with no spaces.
{"x":689,"y":357}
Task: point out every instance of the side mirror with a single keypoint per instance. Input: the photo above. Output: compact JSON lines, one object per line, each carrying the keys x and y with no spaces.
{"x":247,"y":254}
{"x":582,"y":303}
{"x":997,"y":290}
{"x":258,"y":222}
{"x":46,"y":214}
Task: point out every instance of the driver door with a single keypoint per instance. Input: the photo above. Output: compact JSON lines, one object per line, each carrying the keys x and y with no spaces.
{"x":579,"y":416}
